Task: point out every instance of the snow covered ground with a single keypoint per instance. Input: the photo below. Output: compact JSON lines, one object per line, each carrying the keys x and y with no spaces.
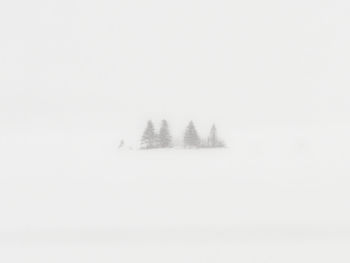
{"x":275,"y":195}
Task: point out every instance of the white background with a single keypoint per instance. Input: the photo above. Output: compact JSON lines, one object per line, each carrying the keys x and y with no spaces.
{"x":77,"y":76}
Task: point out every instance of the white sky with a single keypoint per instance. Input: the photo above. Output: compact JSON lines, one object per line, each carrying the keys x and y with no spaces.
{"x":113,"y":64}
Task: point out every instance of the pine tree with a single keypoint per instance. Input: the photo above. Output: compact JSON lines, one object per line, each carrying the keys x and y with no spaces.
{"x":149,"y":137}
{"x":213,"y":140}
{"x":191,"y":138}
{"x":164,"y":138}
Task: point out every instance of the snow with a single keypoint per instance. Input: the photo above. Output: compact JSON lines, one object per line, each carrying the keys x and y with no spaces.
{"x":79,"y":76}
{"x":273,"y":195}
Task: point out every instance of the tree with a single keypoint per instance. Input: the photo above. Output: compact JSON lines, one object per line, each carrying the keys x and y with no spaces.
{"x":149,"y":137}
{"x":164,"y":137}
{"x":191,"y":138}
{"x":213,"y":140}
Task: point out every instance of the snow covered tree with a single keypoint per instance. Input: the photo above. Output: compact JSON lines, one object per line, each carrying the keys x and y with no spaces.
{"x":164,"y":137}
{"x":191,"y":137}
{"x":213,"y":140}
{"x":149,"y":137}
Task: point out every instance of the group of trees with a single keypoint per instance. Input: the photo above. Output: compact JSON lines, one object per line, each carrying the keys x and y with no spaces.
{"x":151,"y":139}
{"x":163,"y":139}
